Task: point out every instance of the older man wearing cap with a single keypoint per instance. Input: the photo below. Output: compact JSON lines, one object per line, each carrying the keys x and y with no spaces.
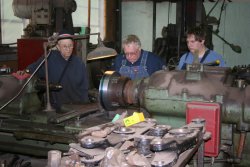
{"x":65,"y":69}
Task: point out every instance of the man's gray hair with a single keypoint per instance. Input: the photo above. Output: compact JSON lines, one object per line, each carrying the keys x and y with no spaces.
{"x":131,"y":39}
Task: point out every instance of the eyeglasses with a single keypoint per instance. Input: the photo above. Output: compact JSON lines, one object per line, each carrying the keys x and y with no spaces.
{"x":65,"y":47}
{"x":128,"y":54}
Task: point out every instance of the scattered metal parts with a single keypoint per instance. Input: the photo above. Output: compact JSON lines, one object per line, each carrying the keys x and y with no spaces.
{"x":164,"y":159}
{"x":159,"y":130}
{"x":162,"y":149}
{"x":159,"y":144}
{"x":88,"y":152}
{"x":94,"y":161}
{"x":142,"y":144}
{"x":124,"y":130}
{"x":92,"y":142}
{"x":180,"y":132}
{"x":135,"y":159}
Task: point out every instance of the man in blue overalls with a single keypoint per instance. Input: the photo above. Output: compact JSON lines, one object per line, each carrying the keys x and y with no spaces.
{"x":198,"y":52}
{"x":135,"y":62}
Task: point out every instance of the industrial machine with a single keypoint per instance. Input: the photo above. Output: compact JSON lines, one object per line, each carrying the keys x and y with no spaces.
{"x":218,"y":95}
{"x":28,"y":128}
{"x":170,"y":95}
{"x":46,"y":16}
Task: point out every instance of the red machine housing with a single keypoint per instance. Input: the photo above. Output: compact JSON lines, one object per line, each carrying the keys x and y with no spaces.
{"x":211,"y":113}
{"x":29,"y":50}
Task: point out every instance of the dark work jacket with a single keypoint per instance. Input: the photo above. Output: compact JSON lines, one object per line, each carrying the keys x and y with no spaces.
{"x":74,"y":79}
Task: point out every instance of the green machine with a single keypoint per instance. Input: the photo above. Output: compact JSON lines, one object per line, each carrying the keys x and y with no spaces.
{"x":166,"y":96}
{"x":27,"y":127}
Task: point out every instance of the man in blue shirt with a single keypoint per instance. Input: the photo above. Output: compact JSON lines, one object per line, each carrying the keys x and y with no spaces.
{"x":135,"y":62}
{"x":65,"y":69}
{"x":198,"y":52}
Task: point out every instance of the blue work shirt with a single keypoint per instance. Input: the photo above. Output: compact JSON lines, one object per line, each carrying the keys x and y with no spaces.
{"x":188,"y":58}
{"x":143,"y":67}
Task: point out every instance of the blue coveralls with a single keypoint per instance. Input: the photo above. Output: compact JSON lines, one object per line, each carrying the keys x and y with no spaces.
{"x":135,"y":72}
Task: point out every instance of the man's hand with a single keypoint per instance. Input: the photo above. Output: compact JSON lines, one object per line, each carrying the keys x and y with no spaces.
{"x":21,"y":75}
{"x":21,"y":72}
